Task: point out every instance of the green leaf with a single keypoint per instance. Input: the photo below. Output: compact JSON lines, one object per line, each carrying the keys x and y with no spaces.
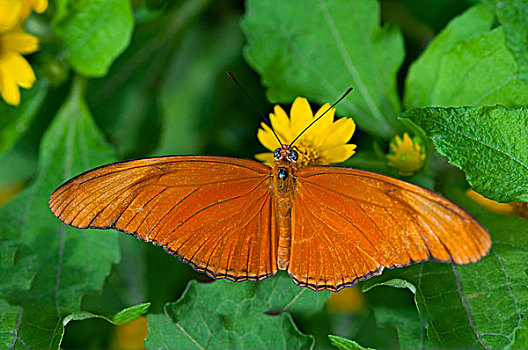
{"x":408,"y":325}
{"x":470,"y":63}
{"x":424,"y":71}
{"x":14,"y":121}
{"x":488,"y":143}
{"x":430,"y":15}
{"x":159,"y":4}
{"x":9,"y":318}
{"x":203,"y":55}
{"x":231,"y":315}
{"x":476,"y":305}
{"x":521,"y":336}
{"x":130,"y":314}
{"x":408,"y":322}
{"x":512,"y":16}
{"x":283,"y":295}
{"x":17,"y":267}
{"x":345,"y":48}
{"x":345,"y":344}
{"x":93,"y":32}
{"x":69,"y":262}
{"x":124,"y":316}
{"x":130,"y":92}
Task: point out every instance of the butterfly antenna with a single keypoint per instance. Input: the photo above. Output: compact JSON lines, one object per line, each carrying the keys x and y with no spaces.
{"x":329,"y":108}
{"x":264,"y":117}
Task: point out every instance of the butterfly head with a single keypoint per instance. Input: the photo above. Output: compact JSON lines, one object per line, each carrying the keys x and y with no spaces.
{"x":285,"y":168}
{"x":286,"y":153}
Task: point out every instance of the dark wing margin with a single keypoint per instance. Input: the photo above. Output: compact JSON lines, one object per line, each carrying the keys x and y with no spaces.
{"x":214,"y":213}
{"x":348,"y":225}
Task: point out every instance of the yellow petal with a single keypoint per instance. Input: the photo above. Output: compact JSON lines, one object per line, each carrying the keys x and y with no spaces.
{"x":338,"y":154}
{"x":327,"y":119}
{"x":393,"y":147}
{"x":10,"y":189}
{"x":392,"y":159}
{"x":9,"y":88}
{"x":266,"y":158}
{"x":315,"y":135}
{"x":10,"y":11}
{"x":501,"y":208}
{"x":279,"y":118}
{"x":347,"y":300}
{"x":39,"y":5}
{"x":19,"y":69}
{"x":300,"y":115}
{"x":20,"y":42}
{"x":14,"y":72}
{"x":407,"y":140}
{"x":398,"y":140}
{"x":267,"y":138}
{"x":338,"y":133}
{"x":130,"y":335}
{"x":281,"y":124}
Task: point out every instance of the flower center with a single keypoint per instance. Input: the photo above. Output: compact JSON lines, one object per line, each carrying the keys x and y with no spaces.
{"x":307,"y":155}
{"x":406,"y":155}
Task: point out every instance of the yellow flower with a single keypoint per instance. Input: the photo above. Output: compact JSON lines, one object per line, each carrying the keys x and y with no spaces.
{"x":130,"y":335}
{"x":347,"y":300}
{"x":406,"y":155}
{"x":14,"y":12}
{"x":514,"y":208}
{"x":15,"y":71}
{"x":38,"y":6}
{"x":10,"y":11}
{"x":325,"y":142}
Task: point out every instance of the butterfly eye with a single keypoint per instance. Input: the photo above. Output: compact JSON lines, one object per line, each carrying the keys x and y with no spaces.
{"x":294,"y":156}
{"x":283,"y":173}
{"x":277,"y":154}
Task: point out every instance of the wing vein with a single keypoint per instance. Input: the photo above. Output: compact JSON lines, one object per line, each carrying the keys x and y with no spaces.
{"x":407,"y":234}
{"x":379,"y":179}
{"x":380,"y":232}
{"x":234,"y":231}
{"x":158,"y":166}
{"x":204,"y":208}
{"x":326,"y":242}
{"x":354,"y":225}
{"x":143,"y":206}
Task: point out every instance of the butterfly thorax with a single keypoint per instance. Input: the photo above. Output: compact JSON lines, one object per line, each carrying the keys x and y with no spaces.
{"x":283,"y":190}
{"x":284,"y":171}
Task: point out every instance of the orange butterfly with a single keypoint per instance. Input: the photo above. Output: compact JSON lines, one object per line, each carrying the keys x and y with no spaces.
{"x":239,"y":219}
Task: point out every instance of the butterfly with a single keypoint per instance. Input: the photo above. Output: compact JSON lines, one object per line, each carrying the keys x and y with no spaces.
{"x":239,"y":219}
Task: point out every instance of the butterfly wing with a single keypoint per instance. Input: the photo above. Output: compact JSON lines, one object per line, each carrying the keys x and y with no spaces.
{"x":215,"y":213}
{"x":348,"y":224}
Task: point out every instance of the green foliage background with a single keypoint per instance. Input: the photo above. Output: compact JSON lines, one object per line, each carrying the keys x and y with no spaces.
{"x":120,"y":80}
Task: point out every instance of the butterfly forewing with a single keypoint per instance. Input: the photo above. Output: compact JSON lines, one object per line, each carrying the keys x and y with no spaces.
{"x":215,"y":213}
{"x":348,"y":224}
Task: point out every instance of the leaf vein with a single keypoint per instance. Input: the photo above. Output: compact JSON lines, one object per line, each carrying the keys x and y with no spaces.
{"x":483,"y":144}
{"x":350,"y":65}
{"x":466,"y":307}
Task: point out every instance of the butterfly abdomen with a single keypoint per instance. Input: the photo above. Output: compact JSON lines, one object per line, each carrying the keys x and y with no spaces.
{"x":283,"y":195}
{"x":283,"y":210}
